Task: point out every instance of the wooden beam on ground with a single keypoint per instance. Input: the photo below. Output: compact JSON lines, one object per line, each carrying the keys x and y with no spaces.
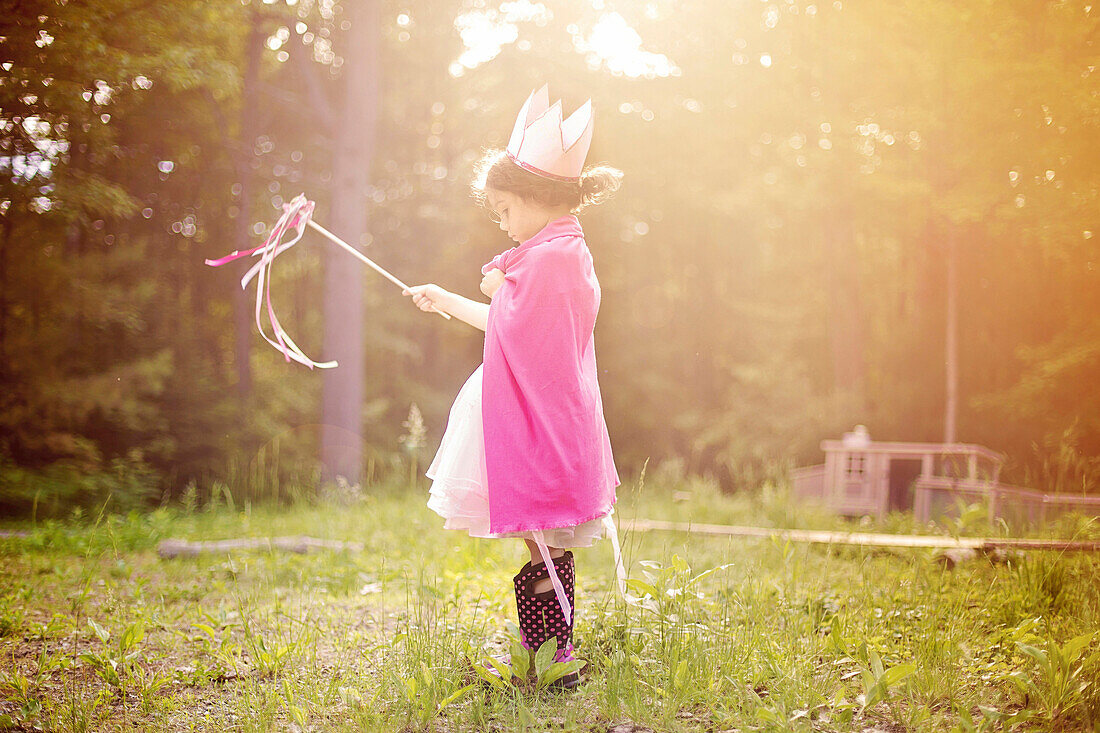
{"x":301,"y":544}
{"x":863,"y":539}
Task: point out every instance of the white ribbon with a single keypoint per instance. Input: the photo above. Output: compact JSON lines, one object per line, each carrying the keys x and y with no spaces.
{"x":559,"y":589}
{"x":620,"y":569}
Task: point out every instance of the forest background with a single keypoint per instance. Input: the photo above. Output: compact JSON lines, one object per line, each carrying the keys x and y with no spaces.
{"x":833,"y":213}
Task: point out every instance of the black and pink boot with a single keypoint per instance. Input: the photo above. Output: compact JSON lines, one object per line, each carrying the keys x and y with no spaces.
{"x":541,"y":615}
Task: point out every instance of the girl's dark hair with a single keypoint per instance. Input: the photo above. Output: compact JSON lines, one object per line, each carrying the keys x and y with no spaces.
{"x":497,"y":171}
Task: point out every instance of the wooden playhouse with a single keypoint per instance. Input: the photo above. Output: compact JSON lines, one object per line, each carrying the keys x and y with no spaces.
{"x":861,"y":476}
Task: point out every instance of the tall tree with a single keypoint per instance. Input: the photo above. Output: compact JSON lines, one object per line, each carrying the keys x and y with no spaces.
{"x":353,"y":153}
{"x":243,"y":152}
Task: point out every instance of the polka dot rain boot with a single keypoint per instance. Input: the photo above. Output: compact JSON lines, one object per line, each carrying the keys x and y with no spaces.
{"x":541,"y":616}
{"x":529,"y":609}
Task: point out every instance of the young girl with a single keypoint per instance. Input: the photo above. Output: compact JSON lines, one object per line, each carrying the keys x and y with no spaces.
{"x":526,"y":452}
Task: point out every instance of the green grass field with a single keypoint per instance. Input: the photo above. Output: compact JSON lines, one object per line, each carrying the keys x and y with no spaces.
{"x":98,"y":633}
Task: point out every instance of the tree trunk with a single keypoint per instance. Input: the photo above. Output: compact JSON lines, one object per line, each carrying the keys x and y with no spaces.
{"x":341,"y":438}
{"x":846,"y":316}
{"x":5,"y":242}
{"x":951,"y":350}
{"x":242,"y":324}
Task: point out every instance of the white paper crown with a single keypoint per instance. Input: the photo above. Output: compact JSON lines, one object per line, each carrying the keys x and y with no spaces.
{"x":547,"y":146}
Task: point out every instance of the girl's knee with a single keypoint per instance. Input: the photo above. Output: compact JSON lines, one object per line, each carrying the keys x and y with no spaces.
{"x":536,"y":555}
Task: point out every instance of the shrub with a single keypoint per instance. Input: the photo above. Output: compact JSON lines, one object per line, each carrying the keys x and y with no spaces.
{"x":121,"y":485}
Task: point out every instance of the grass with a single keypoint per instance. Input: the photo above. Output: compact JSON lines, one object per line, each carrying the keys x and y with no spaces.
{"x":98,"y":633}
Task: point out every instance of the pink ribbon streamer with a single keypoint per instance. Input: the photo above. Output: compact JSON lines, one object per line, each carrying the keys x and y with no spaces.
{"x":296,"y":215}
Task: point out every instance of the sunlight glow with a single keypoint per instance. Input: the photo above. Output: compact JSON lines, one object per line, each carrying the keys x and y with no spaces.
{"x":612,"y":43}
{"x":38,"y":163}
{"x":615,"y":45}
{"x":485,"y":32}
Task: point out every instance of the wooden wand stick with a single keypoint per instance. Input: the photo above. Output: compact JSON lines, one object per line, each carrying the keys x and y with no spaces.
{"x":368,"y":261}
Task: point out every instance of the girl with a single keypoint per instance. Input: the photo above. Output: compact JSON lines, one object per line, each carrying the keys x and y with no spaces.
{"x":526,"y":452}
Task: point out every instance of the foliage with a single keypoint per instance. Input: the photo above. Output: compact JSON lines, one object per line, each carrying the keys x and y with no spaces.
{"x":772,"y":272}
{"x":1059,"y":683}
{"x":57,"y":490}
{"x":878,"y":680}
{"x":713,"y":635}
{"x":115,"y":663}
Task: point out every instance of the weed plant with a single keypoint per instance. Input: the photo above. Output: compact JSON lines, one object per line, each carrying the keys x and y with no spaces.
{"x":98,"y":633}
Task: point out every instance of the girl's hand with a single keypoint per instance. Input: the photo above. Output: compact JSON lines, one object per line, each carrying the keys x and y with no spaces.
{"x":427,"y":297}
{"x":492,"y":282}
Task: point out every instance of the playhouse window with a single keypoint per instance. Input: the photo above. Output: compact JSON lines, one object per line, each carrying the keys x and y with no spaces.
{"x":855,"y":466}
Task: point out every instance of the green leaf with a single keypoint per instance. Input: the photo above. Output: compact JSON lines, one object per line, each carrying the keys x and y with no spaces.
{"x":502,"y":668}
{"x":544,"y":657}
{"x":642,"y":587}
{"x":521,"y":660}
{"x":101,"y":632}
{"x":456,"y":695}
{"x":350,"y":695}
{"x":966,"y":720}
{"x":427,"y":672}
{"x":558,"y":670}
{"x":1035,"y":653}
{"x":134,"y":633}
{"x":876,"y":665}
{"x":488,"y":676}
{"x":91,"y":659}
{"x":707,"y":573}
{"x":1022,"y":683}
{"x":874,"y":696}
{"x":1057,"y":661}
{"x":836,"y":636}
{"x":208,"y":630}
{"x":1072,"y":648}
{"x":896,"y":674}
{"x":681,"y":673}
{"x":766,"y":715}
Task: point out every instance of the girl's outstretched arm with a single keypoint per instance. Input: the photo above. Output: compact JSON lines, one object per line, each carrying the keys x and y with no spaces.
{"x":464,"y":309}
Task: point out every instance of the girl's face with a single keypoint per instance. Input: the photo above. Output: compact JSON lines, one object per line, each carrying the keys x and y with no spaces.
{"x":521,"y":218}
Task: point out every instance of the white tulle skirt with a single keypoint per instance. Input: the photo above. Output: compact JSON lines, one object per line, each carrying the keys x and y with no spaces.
{"x":459,"y":493}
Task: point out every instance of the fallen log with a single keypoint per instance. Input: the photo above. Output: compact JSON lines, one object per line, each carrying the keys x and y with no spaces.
{"x":865,"y":539}
{"x":171,"y":548}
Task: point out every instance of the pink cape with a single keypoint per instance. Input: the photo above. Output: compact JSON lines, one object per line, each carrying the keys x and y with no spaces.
{"x":547,"y":452}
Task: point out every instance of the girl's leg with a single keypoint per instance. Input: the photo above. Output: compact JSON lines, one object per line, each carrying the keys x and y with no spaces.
{"x":536,"y":559}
